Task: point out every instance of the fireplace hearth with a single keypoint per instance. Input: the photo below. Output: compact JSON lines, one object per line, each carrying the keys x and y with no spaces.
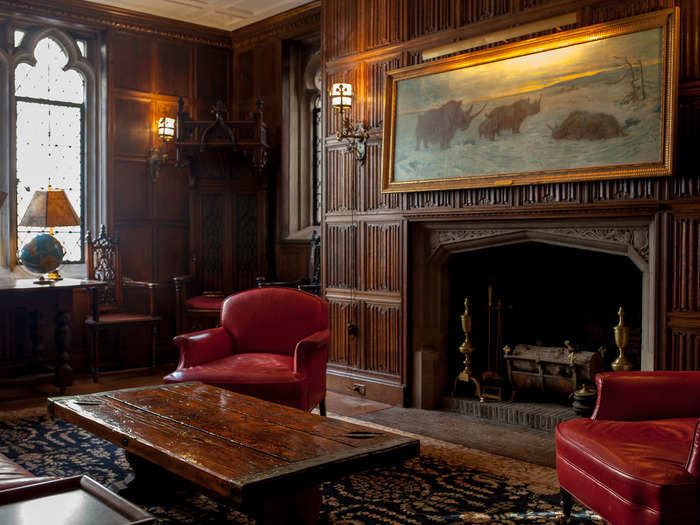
{"x":547,"y":285}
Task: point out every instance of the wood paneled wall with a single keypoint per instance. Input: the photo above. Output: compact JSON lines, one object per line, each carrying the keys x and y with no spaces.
{"x":365,"y":232}
{"x":147,"y":74}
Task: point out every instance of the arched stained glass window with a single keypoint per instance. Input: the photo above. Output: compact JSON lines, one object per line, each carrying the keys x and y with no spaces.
{"x":50,"y":109}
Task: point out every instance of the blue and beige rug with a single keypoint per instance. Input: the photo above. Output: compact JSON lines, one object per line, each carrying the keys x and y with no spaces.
{"x":446,"y":484}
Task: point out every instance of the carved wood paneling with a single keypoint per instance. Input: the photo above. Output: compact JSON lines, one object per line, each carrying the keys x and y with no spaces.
{"x":614,"y":9}
{"x":685,"y":351}
{"x":686,"y":252}
{"x":382,"y":338}
{"x":690,"y":40}
{"x":341,"y":180}
{"x":688,"y":126}
{"x":373,"y":198}
{"x":343,"y":347}
{"x":374,"y":98}
{"x":382,"y":257}
{"x":429,"y":16}
{"x":431,"y":199}
{"x":342,"y":246}
{"x":386,"y":22}
{"x":471,"y":11}
{"x":340,"y":21}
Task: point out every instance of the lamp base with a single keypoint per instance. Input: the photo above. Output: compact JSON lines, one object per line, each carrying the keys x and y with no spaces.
{"x":50,"y":278}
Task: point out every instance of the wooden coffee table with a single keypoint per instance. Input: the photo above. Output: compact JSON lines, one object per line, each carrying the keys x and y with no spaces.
{"x":266,"y":458}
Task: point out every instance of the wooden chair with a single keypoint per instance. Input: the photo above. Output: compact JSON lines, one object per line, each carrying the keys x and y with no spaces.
{"x":107,"y":302}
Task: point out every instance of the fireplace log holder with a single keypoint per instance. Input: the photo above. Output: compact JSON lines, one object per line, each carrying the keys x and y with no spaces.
{"x":559,"y":370}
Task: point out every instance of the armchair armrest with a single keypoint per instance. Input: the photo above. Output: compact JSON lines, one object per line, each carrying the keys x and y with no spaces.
{"x":693,"y":465}
{"x":139,"y":284}
{"x":640,"y":396}
{"x":312,"y":353}
{"x":197,"y":348}
{"x":150,"y":287}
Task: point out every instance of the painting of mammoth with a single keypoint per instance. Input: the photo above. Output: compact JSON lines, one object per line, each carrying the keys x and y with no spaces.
{"x":589,"y":103}
{"x":508,"y":117}
{"x":438,"y":126}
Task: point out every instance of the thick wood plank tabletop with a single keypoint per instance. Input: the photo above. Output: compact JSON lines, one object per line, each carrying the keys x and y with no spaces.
{"x":234,"y":445}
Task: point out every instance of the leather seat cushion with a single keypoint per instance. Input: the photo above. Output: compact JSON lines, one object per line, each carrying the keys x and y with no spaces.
{"x":12,"y":475}
{"x":204,"y":302}
{"x":643,"y":462}
{"x":265,"y":376}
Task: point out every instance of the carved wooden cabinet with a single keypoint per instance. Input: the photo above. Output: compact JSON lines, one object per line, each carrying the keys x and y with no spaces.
{"x":229,"y":238}
{"x":228,"y":229}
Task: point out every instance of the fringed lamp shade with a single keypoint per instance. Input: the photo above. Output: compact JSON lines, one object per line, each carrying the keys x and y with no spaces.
{"x":50,"y":208}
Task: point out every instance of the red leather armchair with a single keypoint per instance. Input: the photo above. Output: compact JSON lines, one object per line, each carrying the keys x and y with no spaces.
{"x":637,"y":459}
{"x":272,"y":344}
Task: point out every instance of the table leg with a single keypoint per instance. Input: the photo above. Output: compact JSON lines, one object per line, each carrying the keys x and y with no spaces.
{"x":148,"y":481}
{"x":64,"y":372}
{"x":293,"y":506}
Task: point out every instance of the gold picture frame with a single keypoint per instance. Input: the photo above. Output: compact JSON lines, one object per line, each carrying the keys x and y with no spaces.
{"x":593,"y":103}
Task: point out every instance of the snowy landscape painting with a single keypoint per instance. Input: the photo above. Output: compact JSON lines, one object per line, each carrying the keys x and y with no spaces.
{"x":594,"y":106}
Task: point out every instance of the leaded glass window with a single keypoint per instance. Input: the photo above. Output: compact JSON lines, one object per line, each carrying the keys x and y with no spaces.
{"x":50,"y":109}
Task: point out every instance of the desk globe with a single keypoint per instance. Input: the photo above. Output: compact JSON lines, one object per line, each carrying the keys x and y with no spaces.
{"x":42,"y":254}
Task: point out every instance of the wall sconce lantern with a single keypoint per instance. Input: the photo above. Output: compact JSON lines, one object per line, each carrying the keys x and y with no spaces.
{"x":341,"y":100}
{"x":166,"y":129}
{"x":158,"y":156}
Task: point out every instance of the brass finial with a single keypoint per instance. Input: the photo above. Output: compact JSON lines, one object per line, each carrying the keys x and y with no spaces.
{"x":622,"y":337}
{"x":466,"y":348}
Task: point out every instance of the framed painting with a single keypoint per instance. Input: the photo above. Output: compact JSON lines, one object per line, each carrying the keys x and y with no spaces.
{"x":592,"y":103}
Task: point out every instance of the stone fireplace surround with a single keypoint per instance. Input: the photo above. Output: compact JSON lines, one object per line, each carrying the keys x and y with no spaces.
{"x":433,"y":244}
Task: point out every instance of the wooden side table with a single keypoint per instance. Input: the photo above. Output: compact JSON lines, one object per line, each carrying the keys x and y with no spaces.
{"x":15,"y":293}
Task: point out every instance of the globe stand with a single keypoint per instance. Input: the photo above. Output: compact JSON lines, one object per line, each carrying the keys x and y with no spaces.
{"x":43,"y":280}
{"x":43,"y":255}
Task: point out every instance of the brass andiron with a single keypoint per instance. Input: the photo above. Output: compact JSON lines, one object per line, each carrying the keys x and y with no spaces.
{"x":467,"y":348}
{"x":622,"y":339}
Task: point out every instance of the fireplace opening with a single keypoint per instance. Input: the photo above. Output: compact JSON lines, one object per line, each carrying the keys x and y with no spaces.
{"x":541,"y":295}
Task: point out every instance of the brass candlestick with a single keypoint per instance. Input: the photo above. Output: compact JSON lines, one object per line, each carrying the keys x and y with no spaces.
{"x":467,"y":348}
{"x":622,"y":339}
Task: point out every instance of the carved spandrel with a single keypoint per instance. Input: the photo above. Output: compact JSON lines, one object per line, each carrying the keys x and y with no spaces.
{"x":636,"y":239}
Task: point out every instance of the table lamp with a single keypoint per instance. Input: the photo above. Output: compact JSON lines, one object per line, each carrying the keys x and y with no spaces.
{"x":43,"y":253}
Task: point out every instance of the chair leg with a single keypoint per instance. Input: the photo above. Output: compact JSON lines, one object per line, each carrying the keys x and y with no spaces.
{"x":322,"y":407}
{"x":154,"y":337}
{"x":567,"y":502}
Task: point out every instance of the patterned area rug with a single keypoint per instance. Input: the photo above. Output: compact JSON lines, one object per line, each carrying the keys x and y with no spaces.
{"x":446,"y":484}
